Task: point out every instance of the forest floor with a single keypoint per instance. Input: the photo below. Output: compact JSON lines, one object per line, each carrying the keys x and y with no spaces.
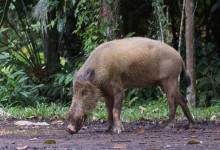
{"x":143,"y":135}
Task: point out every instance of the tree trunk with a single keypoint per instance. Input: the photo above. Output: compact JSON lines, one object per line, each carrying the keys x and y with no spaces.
{"x":110,"y":21}
{"x":50,"y":47}
{"x":72,"y":44}
{"x":52,"y":57}
{"x":190,"y":50}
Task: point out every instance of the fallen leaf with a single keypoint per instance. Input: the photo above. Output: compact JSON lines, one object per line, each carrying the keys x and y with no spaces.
{"x":141,"y":131}
{"x":167,"y":146}
{"x":34,"y":139}
{"x":41,"y":124}
{"x":23,"y":123}
{"x":50,"y":142}
{"x":59,"y":122}
{"x":120,"y":146}
{"x":193,"y":142}
{"x":29,"y":123}
{"x":163,"y":119}
{"x":193,"y":136}
{"x":142,"y":109}
{"x":152,"y":149}
{"x":3,"y":113}
{"x":213,"y":118}
{"x":21,"y":147}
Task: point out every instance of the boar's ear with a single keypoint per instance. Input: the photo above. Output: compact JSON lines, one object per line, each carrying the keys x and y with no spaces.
{"x":90,"y":75}
{"x":77,"y":84}
{"x":78,"y":76}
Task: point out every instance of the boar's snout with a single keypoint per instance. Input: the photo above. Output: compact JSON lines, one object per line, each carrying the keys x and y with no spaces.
{"x":75,"y":125}
{"x":71,"y":129}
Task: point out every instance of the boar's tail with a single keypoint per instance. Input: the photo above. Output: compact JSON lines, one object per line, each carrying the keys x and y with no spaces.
{"x":186,"y":78}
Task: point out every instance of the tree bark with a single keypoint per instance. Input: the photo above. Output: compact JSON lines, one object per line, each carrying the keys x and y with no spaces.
{"x":50,"y":47}
{"x":190,"y":50}
{"x":110,"y":21}
{"x":72,"y":44}
{"x":52,"y":57}
{"x":181,"y":27}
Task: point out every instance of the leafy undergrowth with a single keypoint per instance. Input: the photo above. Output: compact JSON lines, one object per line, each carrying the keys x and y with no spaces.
{"x":157,"y":110}
{"x":151,"y":110}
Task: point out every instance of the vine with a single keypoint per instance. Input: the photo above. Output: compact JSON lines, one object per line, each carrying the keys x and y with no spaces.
{"x":88,"y":14}
{"x":161,"y":13}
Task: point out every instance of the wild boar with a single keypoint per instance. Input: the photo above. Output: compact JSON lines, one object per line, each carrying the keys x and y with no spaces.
{"x":126,"y":63}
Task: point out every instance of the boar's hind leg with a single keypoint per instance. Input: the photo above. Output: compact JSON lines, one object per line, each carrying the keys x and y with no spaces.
{"x":109,"y":101}
{"x":170,"y":86}
{"x":183,"y":103}
{"x":174,"y":98}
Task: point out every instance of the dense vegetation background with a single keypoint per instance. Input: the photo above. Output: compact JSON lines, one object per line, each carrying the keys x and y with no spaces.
{"x":42,"y":42}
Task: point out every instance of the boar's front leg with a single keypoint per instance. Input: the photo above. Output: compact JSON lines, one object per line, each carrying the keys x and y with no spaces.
{"x":109,"y":101}
{"x":113,"y":95}
{"x":118,"y":93}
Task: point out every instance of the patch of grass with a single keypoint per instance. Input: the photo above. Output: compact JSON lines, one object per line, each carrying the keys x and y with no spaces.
{"x":151,"y":110}
{"x":155,"y":110}
{"x":206,"y":113}
{"x":99,"y":112}
{"x":40,"y":111}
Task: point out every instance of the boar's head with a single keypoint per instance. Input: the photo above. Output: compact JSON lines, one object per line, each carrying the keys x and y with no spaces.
{"x":85,"y":97}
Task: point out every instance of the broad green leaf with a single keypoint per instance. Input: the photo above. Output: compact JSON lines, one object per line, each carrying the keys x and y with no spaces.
{"x":68,"y":79}
{"x":4,"y":57}
{"x":73,"y":2}
{"x":52,"y":23}
{"x":132,"y":100}
{"x":61,"y":79}
{"x":25,"y":94}
{"x":129,"y":35}
{"x":3,"y":30}
{"x":4,"y":48}
{"x":22,"y":79}
{"x":94,"y":37}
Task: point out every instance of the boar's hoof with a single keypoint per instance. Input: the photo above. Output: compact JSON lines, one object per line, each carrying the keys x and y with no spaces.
{"x":118,"y":129}
{"x":71,"y":129}
{"x":191,"y":126}
{"x":110,"y":127}
{"x":170,"y":125}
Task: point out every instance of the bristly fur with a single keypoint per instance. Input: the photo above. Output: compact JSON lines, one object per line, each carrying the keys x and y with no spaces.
{"x":88,"y":102}
{"x":128,"y":63}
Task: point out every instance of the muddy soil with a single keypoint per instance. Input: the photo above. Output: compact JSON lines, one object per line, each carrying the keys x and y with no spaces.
{"x":146,"y":135}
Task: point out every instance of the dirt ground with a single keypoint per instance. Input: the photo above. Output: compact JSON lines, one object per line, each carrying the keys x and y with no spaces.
{"x":143,"y":135}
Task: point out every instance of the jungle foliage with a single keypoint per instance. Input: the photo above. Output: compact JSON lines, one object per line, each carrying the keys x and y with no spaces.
{"x":42,"y":43}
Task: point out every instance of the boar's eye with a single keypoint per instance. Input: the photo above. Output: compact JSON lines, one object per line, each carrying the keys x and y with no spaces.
{"x":84,"y":92}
